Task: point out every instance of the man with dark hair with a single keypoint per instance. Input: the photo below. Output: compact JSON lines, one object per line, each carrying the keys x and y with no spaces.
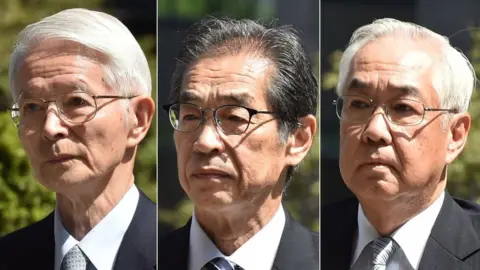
{"x":244,"y":103}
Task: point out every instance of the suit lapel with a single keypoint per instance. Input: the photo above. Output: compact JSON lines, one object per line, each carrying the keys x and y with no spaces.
{"x":138,"y":247}
{"x":298,"y":248}
{"x":339,"y":225}
{"x":452,"y":240}
{"x":173,"y":249}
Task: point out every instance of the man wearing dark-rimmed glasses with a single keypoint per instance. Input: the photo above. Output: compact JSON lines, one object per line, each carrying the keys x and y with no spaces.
{"x":243,"y":110}
{"x":403,"y":94}
{"x":82,"y":104}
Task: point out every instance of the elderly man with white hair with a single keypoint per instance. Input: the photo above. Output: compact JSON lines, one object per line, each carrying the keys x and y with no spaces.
{"x":403,"y":94}
{"x":81,"y":86}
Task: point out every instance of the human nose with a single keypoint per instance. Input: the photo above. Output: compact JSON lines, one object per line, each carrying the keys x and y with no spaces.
{"x":54,"y":126}
{"x":209,"y":139}
{"x":377,"y":128}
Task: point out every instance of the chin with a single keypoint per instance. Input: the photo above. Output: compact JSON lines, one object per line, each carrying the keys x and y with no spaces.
{"x":376,"y":189}
{"x":215,"y":201}
{"x":58,"y":181}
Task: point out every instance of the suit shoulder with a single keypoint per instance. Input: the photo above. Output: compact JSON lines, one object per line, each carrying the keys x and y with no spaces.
{"x":181,"y":234}
{"x":471,"y":208}
{"x":25,"y":234}
{"x":27,"y":241}
{"x":342,"y":207}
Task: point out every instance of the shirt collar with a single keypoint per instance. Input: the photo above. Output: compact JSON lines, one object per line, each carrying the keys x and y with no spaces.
{"x":411,"y":237}
{"x":102,"y":242}
{"x":264,"y":242}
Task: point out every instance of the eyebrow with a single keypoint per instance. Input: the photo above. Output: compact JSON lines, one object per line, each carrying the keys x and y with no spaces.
{"x":238,"y":99}
{"x":405,"y":89}
{"x":72,"y":86}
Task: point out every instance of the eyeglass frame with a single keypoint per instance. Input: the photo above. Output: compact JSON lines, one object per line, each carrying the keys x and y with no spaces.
{"x":251,"y":113}
{"x":387,"y":110}
{"x":62,"y":116}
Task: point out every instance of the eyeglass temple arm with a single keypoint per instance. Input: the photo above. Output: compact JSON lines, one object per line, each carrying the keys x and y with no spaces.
{"x":441,"y":110}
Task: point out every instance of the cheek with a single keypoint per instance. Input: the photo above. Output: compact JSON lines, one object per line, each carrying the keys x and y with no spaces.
{"x":260,"y":162}
{"x":184,"y":149}
{"x":421,"y":158}
{"x":31,"y":145}
{"x":104,"y":143}
{"x":349,"y":142}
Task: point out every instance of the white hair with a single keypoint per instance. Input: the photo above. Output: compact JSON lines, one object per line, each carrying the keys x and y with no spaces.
{"x":125,"y":69}
{"x":454,"y":80}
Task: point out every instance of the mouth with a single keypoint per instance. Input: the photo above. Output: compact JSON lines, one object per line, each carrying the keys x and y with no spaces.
{"x":60,"y":159}
{"x":376,"y":165}
{"x":210,"y":174}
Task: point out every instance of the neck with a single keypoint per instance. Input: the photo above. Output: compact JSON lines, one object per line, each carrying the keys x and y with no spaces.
{"x":387,"y":216}
{"x":84,"y":207}
{"x":231,"y":228}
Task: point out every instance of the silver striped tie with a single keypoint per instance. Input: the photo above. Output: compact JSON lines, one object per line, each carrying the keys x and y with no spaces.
{"x":383,"y":249}
{"x":220,"y":264}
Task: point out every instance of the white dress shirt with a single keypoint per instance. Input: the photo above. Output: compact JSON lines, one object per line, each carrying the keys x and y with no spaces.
{"x":411,"y":237}
{"x":258,"y":253}
{"x":100,"y":244}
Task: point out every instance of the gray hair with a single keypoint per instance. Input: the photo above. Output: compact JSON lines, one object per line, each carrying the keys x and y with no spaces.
{"x":126,"y":67}
{"x":454,"y":80}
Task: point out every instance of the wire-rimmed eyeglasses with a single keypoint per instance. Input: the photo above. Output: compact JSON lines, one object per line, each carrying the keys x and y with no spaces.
{"x":230,"y":119}
{"x":74,"y":107}
{"x":402,"y":112}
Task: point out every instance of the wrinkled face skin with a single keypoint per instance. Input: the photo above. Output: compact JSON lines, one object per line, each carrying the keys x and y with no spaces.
{"x":65,"y":155}
{"x":380,"y":160}
{"x":228,"y":172}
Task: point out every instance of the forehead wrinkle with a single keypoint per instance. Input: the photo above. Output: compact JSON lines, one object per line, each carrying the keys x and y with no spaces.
{"x":217,"y":77}
{"x":243,"y":98}
{"x":401,"y":88}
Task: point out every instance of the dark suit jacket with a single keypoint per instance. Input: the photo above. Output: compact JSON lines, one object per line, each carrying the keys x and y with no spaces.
{"x":33,"y":247}
{"x":298,"y":248}
{"x":453,"y":244}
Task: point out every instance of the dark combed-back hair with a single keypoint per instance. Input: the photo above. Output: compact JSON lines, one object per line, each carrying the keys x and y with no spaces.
{"x":292,"y":92}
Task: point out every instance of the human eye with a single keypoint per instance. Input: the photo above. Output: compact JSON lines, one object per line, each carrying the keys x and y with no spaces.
{"x":189,"y":113}
{"x":406,"y":107}
{"x":234,"y":114}
{"x":31,"y":106}
{"x":75,"y":101}
{"x":357,"y":103}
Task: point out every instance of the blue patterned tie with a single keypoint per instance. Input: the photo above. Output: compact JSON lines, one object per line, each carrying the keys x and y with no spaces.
{"x":383,"y":249}
{"x":219,"y":263}
{"x":74,"y":260}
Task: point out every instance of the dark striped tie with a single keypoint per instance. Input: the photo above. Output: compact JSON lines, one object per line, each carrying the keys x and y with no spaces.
{"x":383,"y":249}
{"x":219,"y":263}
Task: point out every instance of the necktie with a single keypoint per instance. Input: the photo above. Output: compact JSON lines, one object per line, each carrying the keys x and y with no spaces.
{"x":219,"y":263}
{"x":378,"y":253}
{"x":383,"y":249}
{"x":74,"y":260}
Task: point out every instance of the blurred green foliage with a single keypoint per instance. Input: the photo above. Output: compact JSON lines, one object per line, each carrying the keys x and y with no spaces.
{"x":464,"y":173}
{"x":22,"y":200}
{"x":195,"y":9}
{"x":302,"y":195}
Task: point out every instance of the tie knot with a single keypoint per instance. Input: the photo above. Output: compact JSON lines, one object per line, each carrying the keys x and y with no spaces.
{"x":383,"y":249}
{"x":218,"y":263}
{"x":74,"y":259}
